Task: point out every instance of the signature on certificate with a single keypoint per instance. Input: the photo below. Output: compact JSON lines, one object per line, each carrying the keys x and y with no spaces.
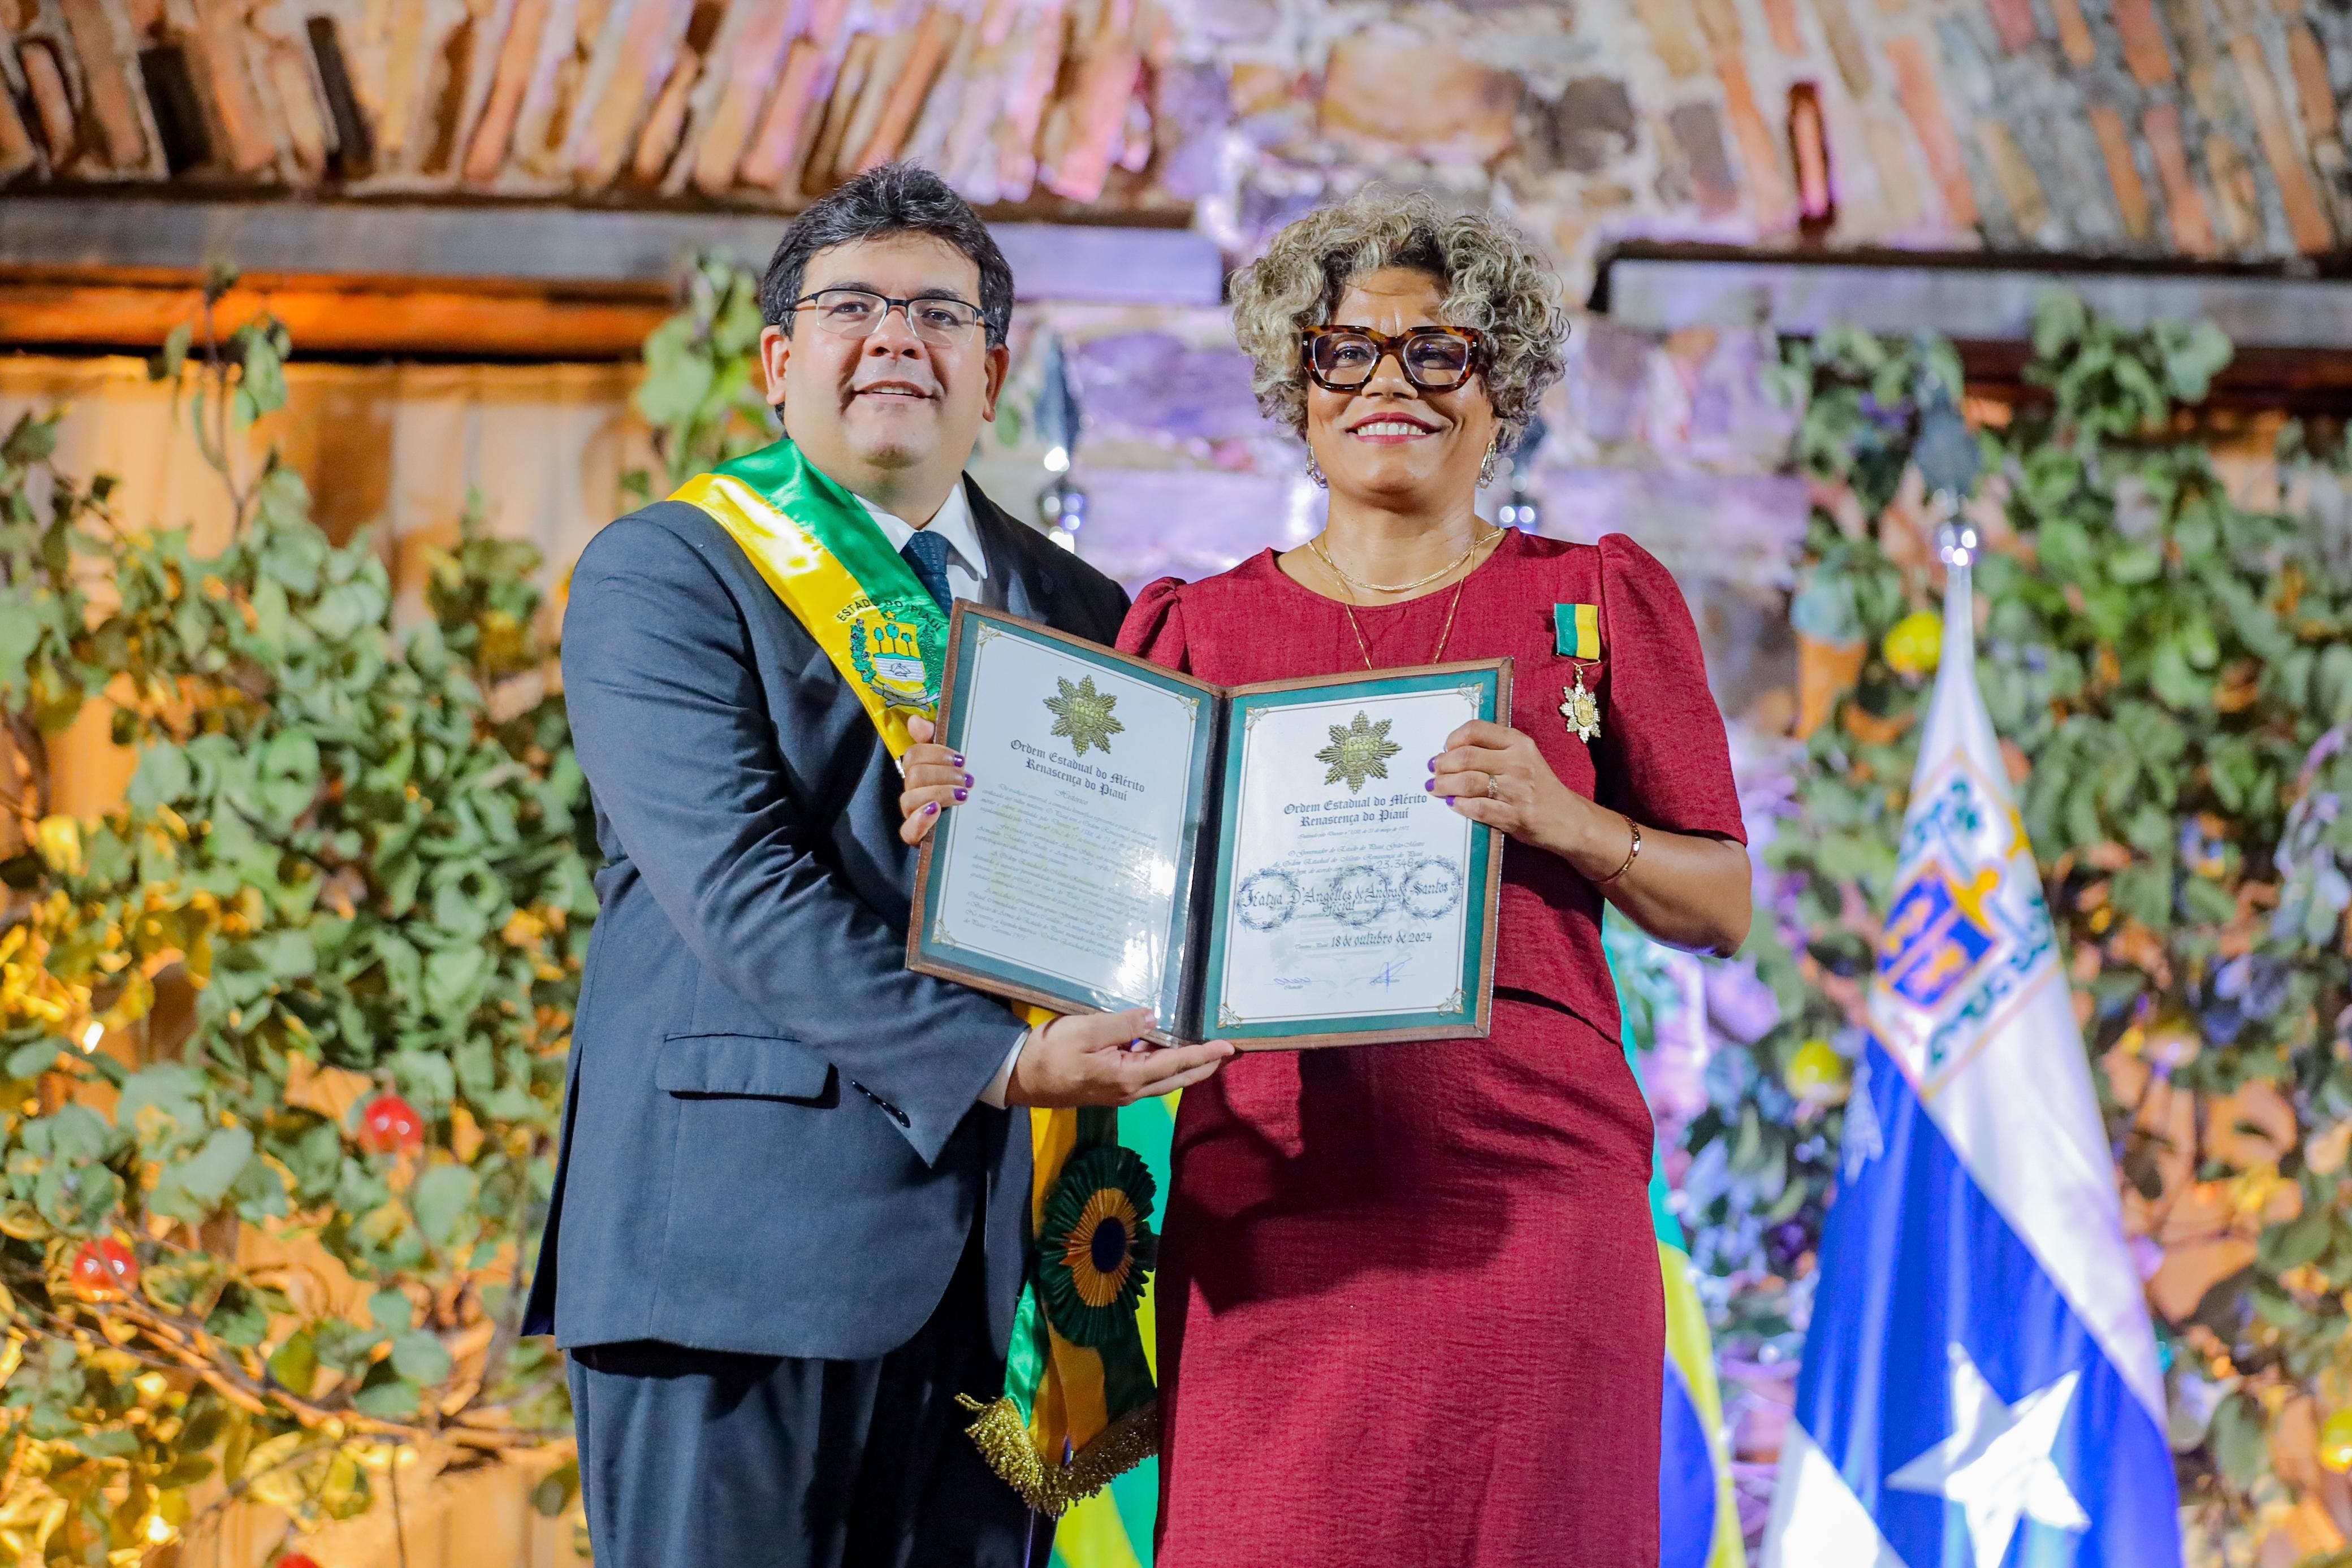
{"x":1391,"y":973}
{"x":1293,"y":982}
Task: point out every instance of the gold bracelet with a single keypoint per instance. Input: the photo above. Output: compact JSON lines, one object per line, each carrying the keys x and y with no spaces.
{"x":1631,"y":855}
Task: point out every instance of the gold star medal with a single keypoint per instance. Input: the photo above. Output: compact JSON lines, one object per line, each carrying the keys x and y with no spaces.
{"x":1576,"y":632}
{"x":1582,"y":710}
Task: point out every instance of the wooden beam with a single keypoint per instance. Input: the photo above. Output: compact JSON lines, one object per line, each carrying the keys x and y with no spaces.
{"x":328,"y":318}
{"x":418,"y":244}
{"x":1979,"y":302}
{"x":2294,"y":336}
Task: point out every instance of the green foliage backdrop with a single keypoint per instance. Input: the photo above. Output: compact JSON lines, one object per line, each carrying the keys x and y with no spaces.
{"x":353,"y":854}
{"x":311,"y":988}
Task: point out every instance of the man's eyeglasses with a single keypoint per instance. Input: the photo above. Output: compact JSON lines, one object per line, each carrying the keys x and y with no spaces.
{"x":859,"y":312}
{"x":1433,"y":359}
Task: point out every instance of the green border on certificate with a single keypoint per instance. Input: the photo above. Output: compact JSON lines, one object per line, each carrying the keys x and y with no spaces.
{"x":936,"y":946}
{"x":1472,"y":992}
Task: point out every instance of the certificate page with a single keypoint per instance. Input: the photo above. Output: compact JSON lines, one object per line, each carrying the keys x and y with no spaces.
{"x":1066,"y":870}
{"x":1351,"y":893}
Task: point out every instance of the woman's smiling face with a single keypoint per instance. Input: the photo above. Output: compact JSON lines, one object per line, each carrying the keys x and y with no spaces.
{"x":1387,"y":442}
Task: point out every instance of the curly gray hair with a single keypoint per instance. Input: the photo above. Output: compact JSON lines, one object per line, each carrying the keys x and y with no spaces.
{"x":1495,"y":280}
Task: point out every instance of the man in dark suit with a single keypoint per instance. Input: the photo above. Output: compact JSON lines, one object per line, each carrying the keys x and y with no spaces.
{"x":789,"y":1215}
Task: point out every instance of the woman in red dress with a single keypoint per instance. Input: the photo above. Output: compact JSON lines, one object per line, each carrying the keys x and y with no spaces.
{"x":1408,"y":1302}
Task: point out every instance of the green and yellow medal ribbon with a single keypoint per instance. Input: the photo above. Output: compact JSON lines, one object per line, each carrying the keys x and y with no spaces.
{"x":1576,"y":631}
{"x":1079,"y":1406}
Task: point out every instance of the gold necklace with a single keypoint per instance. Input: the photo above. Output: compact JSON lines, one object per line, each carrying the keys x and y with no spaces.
{"x":1315,"y":544}
{"x":1443,"y":636}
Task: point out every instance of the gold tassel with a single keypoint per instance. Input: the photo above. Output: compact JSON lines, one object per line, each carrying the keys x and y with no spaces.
{"x":1004,"y":1440}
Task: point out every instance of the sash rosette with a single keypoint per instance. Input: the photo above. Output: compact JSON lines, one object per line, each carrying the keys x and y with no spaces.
{"x":1078,"y":1409}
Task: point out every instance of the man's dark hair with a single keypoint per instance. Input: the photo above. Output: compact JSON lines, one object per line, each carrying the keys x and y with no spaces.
{"x":896,"y":198}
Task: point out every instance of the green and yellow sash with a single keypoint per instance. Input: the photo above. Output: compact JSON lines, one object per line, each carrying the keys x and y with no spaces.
{"x":829,"y":562}
{"x":1079,"y":1406}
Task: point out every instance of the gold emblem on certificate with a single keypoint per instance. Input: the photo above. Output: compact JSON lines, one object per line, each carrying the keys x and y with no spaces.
{"x":1360,"y":749}
{"x":1082,"y":716}
{"x":1582,"y":710}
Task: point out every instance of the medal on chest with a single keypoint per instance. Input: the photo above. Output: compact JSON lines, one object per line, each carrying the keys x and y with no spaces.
{"x":1576,"y":637}
{"x":1582,"y":710}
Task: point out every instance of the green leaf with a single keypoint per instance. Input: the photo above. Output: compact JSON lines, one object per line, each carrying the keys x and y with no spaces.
{"x":392,"y":1311}
{"x":30,"y":440}
{"x":453,"y":979}
{"x":2191,"y":363}
{"x":2299,"y":1241}
{"x":554,"y":1493}
{"x":21,"y":628}
{"x":2136,"y":564}
{"x":2332,"y":683}
{"x":2239,"y":1445}
{"x":29,"y":1061}
{"x":164,"y":777}
{"x":238,"y":1317}
{"x":166,"y":365}
{"x":421,"y":1357}
{"x":193,"y":1188}
{"x":386,"y":1396}
{"x":441,"y":1200}
{"x":295,"y":1363}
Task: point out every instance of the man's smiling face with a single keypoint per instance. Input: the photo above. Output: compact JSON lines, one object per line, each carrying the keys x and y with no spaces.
{"x":880,"y":412}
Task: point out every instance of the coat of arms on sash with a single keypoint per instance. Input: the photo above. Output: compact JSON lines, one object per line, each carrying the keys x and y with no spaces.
{"x":886,"y":649}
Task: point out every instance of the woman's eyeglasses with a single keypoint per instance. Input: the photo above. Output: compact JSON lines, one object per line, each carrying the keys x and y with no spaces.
{"x":1433,"y":359}
{"x":859,"y":312}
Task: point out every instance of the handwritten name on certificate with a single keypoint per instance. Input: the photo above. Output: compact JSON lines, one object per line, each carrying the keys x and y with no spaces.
{"x":1064,"y":860}
{"x":1350,"y":883}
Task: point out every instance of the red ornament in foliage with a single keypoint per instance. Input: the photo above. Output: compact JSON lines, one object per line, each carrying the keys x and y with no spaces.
{"x":390,"y":1125}
{"x":104,"y":1270}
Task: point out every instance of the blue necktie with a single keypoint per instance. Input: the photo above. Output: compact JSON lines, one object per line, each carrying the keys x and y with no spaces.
{"x":928,"y":554}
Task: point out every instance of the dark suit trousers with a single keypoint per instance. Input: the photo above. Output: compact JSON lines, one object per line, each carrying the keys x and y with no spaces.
{"x":690,"y":1458}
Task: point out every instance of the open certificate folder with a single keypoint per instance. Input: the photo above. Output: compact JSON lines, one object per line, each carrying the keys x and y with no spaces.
{"x":1260,"y":864}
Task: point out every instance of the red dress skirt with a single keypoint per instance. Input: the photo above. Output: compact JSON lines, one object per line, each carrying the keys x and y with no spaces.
{"x":1408,"y":1301}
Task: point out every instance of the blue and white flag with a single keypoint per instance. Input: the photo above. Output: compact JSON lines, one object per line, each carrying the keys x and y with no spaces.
{"x":1980,"y":1384}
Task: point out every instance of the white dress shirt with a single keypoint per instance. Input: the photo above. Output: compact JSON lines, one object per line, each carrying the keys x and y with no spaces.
{"x":966,"y":571}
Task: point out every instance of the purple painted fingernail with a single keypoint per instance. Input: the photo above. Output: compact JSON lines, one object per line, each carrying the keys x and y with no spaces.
{"x":957,"y":758}
{"x":1428,"y":786}
{"x":932,"y":810}
{"x":967,"y":778}
{"x":962,"y":795}
{"x":1449,"y":799}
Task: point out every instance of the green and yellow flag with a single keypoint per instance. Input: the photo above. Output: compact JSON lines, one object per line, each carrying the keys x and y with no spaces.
{"x":1079,"y":1406}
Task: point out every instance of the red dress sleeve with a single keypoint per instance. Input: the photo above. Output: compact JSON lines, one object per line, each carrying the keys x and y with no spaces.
{"x":1154,"y":628}
{"x":1662,"y":757}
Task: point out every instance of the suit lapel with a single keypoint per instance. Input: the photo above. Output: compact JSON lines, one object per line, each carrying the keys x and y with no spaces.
{"x":1028,"y":593}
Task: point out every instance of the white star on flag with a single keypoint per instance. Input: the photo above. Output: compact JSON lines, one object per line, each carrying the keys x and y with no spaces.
{"x":1996,"y":1464}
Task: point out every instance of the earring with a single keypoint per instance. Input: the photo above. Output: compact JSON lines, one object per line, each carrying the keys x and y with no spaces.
{"x":1487,"y":468}
{"x":1315,"y":472}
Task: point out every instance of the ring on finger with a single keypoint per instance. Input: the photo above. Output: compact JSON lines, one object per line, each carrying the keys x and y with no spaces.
{"x":1490,"y":784}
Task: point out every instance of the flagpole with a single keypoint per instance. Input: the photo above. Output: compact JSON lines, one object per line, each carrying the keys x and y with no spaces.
{"x":1956,"y":542}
